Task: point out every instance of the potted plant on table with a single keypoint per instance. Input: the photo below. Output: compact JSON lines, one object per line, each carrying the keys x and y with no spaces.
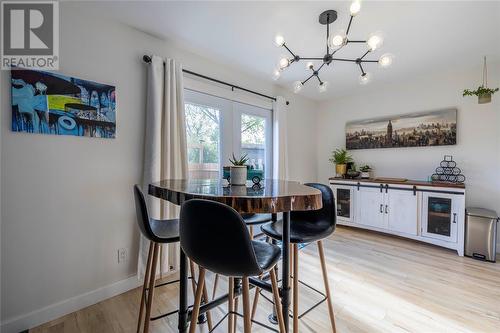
{"x":366,"y":171}
{"x":340,"y":157}
{"x":238,"y":170}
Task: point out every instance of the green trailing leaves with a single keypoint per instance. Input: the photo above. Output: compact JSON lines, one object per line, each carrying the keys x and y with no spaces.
{"x":480,"y":91}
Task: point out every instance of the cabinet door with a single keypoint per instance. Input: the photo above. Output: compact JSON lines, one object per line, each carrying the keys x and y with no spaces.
{"x":401,"y":211}
{"x":344,"y":202}
{"x":370,"y":203}
{"x":440,"y":214}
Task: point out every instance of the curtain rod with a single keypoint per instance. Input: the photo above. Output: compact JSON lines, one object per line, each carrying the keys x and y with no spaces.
{"x":147,"y":59}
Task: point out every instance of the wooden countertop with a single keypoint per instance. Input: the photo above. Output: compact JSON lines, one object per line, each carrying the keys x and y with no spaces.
{"x":407,"y":182}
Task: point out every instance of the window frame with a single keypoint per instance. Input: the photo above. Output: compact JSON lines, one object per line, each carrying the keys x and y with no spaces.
{"x":230,"y":112}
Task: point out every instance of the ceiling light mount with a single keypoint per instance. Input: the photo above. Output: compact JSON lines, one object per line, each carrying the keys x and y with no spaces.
{"x":334,"y":44}
{"x":328,"y":17}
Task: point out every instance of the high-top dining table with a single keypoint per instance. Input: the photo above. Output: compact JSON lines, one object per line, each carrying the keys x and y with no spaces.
{"x":272,"y":196}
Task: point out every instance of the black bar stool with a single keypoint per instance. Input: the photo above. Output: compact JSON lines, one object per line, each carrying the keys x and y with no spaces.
{"x":215,"y":237}
{"x":308,"y":227}
{"x":251,"y":220}
{"x":157,"y":232}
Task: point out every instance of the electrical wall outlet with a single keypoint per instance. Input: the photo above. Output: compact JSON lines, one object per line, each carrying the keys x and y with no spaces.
{"x":122,"y":255}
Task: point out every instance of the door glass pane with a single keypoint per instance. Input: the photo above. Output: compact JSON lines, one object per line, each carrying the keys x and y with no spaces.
{"x":343,"y":203}
{"x":203,"y":141}
{"x":253,"y":143}
{"x":439,"y":216}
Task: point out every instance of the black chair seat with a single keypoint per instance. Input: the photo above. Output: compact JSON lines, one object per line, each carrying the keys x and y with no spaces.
{"x":166,"y":231}
{"x":267,"y":256}
{"x":255,"y":219}
{"x":300,"y":231}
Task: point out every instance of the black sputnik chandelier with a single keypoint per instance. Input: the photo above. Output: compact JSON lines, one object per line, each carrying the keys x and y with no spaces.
{"x":334,"y":44}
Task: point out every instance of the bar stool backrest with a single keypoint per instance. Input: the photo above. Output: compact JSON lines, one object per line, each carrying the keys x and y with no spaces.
{"x":325,"y":215}
{"x":215,"y":237}
{"x":142,"y":215}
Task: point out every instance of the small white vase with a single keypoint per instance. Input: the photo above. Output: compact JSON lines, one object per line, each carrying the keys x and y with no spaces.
{"x":366,"y":174}
{"x":238,"y":175}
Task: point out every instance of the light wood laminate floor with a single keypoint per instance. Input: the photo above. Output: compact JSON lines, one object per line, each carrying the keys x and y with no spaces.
{"x":379,"y":283}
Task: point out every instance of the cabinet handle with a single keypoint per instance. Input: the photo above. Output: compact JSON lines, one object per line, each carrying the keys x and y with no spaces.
{"x":386,"y":187}
{"x":381,"y":208}
{"x":386,"y":210}
{"x":454,"y":217}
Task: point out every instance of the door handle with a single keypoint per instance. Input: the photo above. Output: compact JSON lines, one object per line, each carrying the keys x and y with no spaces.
{"x":381,"y":208}
{"x":386,"y":209}
{"x":454,"y":217}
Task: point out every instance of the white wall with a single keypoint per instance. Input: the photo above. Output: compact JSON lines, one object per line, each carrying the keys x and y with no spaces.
{"x":67,"y":201}
{"x":477,"y":152}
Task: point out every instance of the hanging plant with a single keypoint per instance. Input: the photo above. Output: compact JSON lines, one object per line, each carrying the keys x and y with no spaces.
{"x":483,"y":93}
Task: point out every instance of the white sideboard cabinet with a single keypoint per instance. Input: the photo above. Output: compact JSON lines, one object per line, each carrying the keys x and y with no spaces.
{"x":424,"y":211}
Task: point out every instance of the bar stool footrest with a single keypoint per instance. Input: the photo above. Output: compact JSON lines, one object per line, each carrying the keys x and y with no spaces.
{"x":168,"y":313}
{"x":315,"y":305}
{"x":240,"y":315}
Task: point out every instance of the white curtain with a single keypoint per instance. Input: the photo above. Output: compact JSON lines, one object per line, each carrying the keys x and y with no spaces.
{"x":280,"y":148}
{"x":165,"y":151}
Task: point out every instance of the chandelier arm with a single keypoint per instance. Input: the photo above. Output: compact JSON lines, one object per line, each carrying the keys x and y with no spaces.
{"x":362,"y":70}
{"x":323,"y":64}
{"x":342,"y":59}
{"x":364,"y":55}
{"x":302,"y":58}
{"x":349,"y":26}
{"x":304,"y":82}
{"x":320,"y":82}
{"x":356,"y":41}
{"x":369,"y":60}
{"x":286,"y":47}
{"x":335,"y":51}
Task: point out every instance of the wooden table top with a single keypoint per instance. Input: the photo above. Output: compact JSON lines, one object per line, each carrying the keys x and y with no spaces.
{"x":274,"y":196}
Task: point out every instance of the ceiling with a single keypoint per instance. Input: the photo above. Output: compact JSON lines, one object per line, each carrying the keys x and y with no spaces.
{"x":424,"y":36}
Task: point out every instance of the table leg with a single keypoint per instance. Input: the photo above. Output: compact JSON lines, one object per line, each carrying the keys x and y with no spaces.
{"x":285,"y":269}
{"x":273,"y":318}
{"x":183,"y":286}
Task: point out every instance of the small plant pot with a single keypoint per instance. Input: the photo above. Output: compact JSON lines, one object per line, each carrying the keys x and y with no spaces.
{"x":340,"y":170}
{"x":238,"y":175}
{"x":238,"y":190}
{"x":484,"y":98}
{"x":366,"y":174}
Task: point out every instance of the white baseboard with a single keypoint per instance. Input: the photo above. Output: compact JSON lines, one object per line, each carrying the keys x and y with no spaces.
{"x":54,"y":311}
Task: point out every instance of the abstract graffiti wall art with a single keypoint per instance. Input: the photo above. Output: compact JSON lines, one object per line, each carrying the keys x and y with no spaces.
{"x":51,"y":103}
{"x":435,"y":128}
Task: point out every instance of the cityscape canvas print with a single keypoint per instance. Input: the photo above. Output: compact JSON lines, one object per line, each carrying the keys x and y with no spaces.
{"x":51,"y":103}
{"x":437,"y":128}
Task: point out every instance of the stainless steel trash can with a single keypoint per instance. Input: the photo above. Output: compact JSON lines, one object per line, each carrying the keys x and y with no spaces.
{"x":481,"y":233}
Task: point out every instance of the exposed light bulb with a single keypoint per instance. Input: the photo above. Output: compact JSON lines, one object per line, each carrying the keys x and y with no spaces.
{"x":386,"y":60}
{"x":297,"y":86}
{"x":279,"y":40}
{"x":375,"y":41}
{"x":310,"y":65}
{"x":284,"y":63}
{"x":355,"y":7}
{"x":276,"y":74}
{"x":323,"y":86}
{"x":365,"y":78}
{"x":338,"y":39}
